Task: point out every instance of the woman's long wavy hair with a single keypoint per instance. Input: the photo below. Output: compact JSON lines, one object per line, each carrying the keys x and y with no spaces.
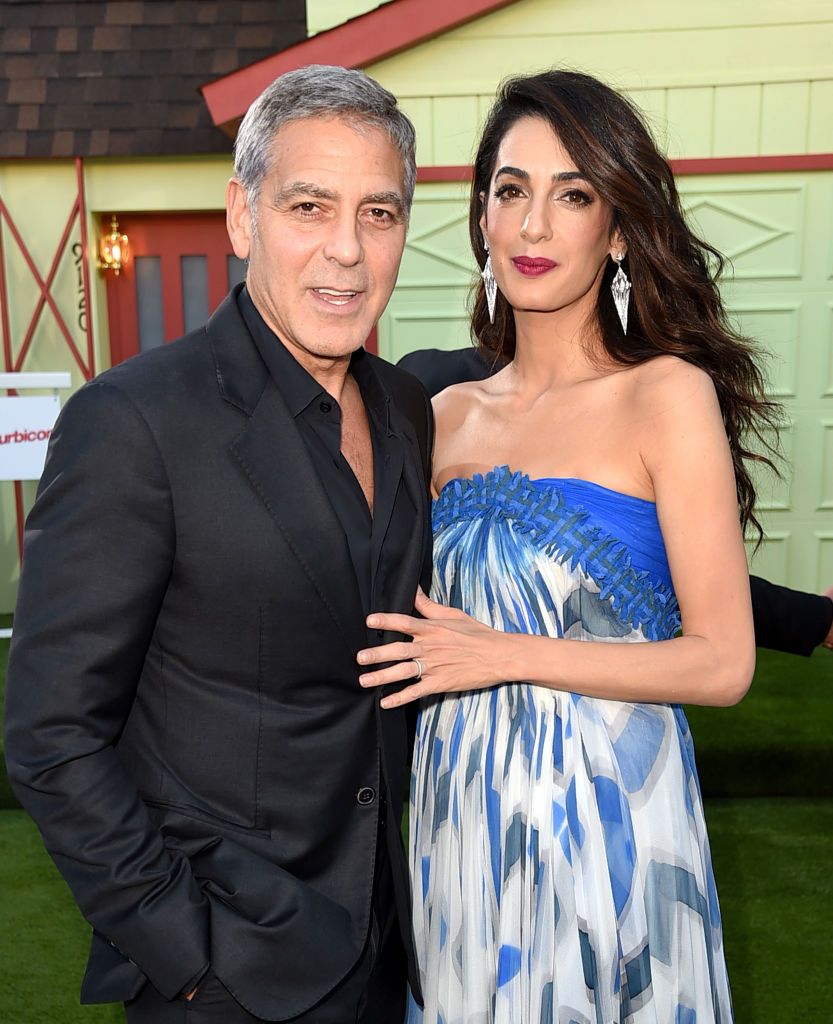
{"x":676,"y":306}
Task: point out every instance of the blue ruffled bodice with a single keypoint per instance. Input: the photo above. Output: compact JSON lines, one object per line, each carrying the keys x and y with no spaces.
{"x":613,"y":538}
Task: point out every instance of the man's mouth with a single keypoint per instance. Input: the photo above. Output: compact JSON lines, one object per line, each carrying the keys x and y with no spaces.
{"x":335,"y":296}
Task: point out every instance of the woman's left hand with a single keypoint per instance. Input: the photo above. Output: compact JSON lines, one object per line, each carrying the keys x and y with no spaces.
{"x":450,"y":651}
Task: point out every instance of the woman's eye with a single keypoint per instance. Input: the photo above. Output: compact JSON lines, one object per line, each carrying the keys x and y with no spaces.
{"x":575,"y":197}
{"x":508,"y":192}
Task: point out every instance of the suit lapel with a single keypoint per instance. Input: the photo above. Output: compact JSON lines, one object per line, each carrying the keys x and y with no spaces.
{"x":402,"y":592}
{"x":276,"y":462}
{"x":388,"y":473}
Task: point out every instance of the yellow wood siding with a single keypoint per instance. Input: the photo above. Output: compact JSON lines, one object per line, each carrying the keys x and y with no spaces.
{"x":717,"y":79}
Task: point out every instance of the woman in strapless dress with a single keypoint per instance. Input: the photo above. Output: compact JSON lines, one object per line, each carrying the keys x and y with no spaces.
{"x":589,"y":578}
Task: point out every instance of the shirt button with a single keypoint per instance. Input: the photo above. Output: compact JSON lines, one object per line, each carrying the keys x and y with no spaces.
{"x":325,"y":407}
{"x":366,"y":795}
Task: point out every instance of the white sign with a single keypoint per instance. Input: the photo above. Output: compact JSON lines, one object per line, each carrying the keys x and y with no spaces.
{"x":25,"y":427}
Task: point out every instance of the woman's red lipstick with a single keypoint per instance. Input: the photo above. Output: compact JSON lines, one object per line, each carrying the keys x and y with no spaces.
{"x":533,"y":266}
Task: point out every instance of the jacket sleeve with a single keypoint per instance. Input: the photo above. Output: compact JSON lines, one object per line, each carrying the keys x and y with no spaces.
{"x":789,"y":620}
{"x":98,"y":552}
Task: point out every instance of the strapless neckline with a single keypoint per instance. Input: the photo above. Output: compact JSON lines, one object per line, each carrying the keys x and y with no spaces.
{"x":506,"y":470}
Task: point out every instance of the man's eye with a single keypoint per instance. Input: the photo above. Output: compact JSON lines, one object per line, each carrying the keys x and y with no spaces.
{"x":379,"y":214}
{"x":307,"y":208}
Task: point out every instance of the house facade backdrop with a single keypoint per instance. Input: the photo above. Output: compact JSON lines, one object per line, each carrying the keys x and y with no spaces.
{"x":103,"y":118}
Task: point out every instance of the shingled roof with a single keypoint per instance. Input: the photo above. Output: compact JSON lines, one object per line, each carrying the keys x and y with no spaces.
{"x":120,"y":78}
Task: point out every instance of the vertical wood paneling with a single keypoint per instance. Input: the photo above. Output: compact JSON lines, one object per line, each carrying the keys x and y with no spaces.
{"x":654,"y":105}
{"x":690,"y":113}
{"x":454,"y":129}
{"x":737,"y":120}
{"x":784,"y":110}
{"x":420,"y":109}
{"x":820,"y":127}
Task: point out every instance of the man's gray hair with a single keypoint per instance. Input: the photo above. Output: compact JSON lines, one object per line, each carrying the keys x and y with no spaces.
{"x":319,"y":90}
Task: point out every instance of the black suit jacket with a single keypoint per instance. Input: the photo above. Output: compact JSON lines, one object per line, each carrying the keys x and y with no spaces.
{"x":785,"y":620}
{"x":184,"y":721}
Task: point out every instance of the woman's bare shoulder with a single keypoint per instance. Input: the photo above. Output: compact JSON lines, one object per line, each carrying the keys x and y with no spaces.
{"x":668,"y":382}
{"x":669,"y":371}
{"x":455,"y":403}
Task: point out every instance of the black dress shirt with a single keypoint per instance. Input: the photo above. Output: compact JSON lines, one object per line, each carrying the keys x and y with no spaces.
{"x":318,"y":418}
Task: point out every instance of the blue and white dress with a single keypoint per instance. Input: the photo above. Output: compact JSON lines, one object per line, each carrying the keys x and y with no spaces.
{"x":560,"y":860}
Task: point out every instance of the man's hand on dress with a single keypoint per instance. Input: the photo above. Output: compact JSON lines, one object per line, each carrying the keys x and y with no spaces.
{"x":449,"y":652}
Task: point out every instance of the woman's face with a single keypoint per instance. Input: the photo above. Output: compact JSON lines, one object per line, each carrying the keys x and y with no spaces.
{"x":547,"y":229}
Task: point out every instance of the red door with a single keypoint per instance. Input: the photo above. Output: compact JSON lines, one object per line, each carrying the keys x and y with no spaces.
{"x":180,"y":267}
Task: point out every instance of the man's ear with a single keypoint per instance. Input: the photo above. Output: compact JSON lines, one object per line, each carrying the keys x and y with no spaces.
{"x":238,"y":219}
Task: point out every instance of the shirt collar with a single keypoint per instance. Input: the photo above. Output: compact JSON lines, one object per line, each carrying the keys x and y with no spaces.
{"x":297,"y":386}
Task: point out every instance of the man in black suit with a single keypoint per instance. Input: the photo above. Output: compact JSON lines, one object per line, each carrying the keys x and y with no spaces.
{"x":215,"y":520}
{"x":785,"y":620}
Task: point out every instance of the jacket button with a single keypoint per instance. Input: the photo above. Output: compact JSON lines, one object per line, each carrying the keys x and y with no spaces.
{"x":365,"y":796}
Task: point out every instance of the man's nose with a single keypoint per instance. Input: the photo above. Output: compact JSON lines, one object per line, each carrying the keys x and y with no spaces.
{"x":343,"y":244}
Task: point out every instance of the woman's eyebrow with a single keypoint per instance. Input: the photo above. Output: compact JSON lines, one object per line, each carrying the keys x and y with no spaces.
{"x":516,"y":172}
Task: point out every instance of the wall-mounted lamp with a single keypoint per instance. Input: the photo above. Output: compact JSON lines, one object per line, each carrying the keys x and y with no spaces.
{"x":113,"y":249}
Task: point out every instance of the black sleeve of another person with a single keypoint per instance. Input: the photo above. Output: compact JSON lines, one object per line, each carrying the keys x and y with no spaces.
{"x":789,"y":620}
{"x":785,"y":620}
{"x":437,"y":369}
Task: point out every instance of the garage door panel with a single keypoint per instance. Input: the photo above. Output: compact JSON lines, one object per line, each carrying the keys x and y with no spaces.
{"x":776,"y":328}
{"x":760,"y":228}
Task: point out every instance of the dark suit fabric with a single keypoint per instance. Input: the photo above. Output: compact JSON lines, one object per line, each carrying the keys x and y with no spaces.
{"x":183,"y":718}
{"x":789,"y":620}
{"x":438,"y":369}
{"x":785,"y":620}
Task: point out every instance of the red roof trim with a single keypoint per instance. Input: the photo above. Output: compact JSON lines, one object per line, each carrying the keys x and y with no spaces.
{"x":704,"y":165}
{"x":389,"y":29}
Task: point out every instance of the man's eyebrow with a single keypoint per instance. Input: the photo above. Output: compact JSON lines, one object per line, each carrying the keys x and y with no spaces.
{"x":294,"y":189}
{"x":385,"y":199}
{"x":516,"y":172}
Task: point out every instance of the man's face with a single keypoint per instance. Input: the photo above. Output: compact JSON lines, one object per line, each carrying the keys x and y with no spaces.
{"x":326,"y":237}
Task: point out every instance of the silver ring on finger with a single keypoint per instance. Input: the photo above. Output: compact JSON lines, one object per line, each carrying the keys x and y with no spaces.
{"x":419,"y":667}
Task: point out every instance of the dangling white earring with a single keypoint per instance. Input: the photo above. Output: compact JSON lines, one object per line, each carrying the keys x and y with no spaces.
{"x":489,"y":283}
{"x":620,"y":286}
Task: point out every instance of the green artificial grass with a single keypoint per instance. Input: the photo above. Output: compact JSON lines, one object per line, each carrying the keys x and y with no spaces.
{"x":43,"y":939}
{"x":772,"y":864}
{"x":779,"y":740}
